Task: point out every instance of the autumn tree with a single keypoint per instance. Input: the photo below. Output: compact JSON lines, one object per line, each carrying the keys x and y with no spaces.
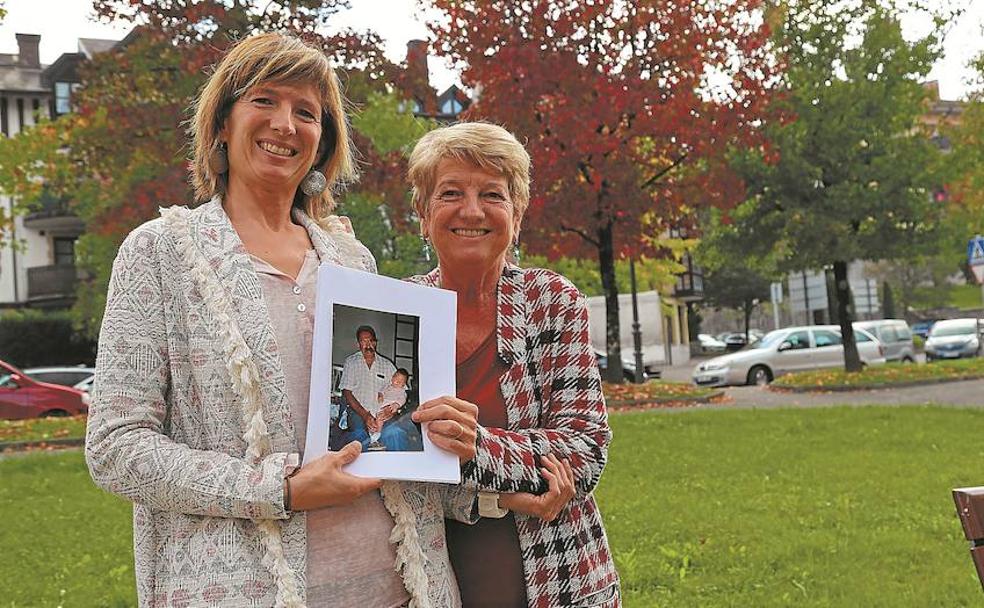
{"x":122,"y":153}
{"x":626,"y":108}
{"x":851,"y":176}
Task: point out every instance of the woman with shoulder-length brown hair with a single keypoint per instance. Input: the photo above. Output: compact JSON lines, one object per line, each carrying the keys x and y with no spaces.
{"x":525,"y":362}
{"x":199,"y":409}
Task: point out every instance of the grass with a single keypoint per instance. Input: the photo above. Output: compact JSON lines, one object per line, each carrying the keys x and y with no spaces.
{"x":654,"y":390}
{"x":880,"y":376}
{"x":815,"y":507}
{"x":819,"y":507}
{"x":40,"y":429}
{"x":65,"y":542}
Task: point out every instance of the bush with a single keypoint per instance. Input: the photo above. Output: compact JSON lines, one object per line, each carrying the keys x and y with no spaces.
{"x":30,"y":338}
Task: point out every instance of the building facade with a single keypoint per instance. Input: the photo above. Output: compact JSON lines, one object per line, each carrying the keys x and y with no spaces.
{"x":37,"y":260}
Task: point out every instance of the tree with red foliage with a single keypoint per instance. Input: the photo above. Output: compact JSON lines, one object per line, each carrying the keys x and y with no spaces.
{"x":627,"y":108}
{"x":123,"y":152}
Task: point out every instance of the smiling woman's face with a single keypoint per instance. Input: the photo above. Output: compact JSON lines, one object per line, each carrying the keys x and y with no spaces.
{"x":272,"y":133}
{"x":470,"y":217}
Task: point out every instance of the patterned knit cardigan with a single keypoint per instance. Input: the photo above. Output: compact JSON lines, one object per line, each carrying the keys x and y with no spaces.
{"x":554,"y":405}
{"x":190,"y":420}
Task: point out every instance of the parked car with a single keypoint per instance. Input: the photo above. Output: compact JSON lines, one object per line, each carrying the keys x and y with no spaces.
{"x":23,"y":397}
{"x":628,"y":368}
{"x":79,"y":377}
{"x":710,"y":344}
{"x":786,"y":350}
{"x":735,"y":340}
{"x":954,"y":339}
{"x":922,"y":328}
{"x":895,"y":336}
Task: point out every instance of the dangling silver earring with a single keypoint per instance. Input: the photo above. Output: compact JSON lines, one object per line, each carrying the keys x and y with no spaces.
{"x":427,"y":248}
{"x":314,"y":183}
{"x":218,"y":160}
{"x":516,"y":251}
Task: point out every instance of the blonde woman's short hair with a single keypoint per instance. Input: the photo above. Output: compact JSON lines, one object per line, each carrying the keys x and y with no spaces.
{"x":484,"y":145}
{"x":276,"y":59}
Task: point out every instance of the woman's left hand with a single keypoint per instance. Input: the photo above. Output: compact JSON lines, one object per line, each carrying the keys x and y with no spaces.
{"x":453,"y":425}
{"x":547,"y":506}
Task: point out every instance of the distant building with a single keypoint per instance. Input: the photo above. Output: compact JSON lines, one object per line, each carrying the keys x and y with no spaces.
{"x":427,"y":102}
{"x":37,"y":262}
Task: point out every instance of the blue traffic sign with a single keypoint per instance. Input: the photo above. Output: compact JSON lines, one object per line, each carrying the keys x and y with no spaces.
{"x":975,"y":251}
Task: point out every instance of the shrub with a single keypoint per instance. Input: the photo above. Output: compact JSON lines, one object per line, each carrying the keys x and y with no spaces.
{"x":30,"y":338}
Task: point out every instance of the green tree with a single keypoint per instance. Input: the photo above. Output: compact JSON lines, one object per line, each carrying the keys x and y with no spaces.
{"x":850,"y":174}
{"x":123,"y":152}
{"x":734,"y":275}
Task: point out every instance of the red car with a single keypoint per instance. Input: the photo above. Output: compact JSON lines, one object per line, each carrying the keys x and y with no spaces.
{"x":22,"y":397}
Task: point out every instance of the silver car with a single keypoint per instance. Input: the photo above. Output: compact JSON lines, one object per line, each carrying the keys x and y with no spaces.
{"x":786,"y":350}
{"x":895,"y":336}
{"x":954,"y":339}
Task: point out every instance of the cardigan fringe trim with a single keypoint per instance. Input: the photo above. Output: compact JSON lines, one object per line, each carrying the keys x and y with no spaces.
{"x":409,"y":553}
{"x":246,"y":383}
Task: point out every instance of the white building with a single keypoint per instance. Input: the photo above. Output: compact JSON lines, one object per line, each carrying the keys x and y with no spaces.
{"x":37,"y":260}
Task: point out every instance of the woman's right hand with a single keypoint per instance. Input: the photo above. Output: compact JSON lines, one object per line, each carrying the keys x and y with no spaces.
{"x":546,"y":506}
{"x":323,"y":483}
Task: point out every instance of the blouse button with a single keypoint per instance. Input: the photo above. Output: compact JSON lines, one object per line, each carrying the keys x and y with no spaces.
{"x":301,"y":307}
{"x":296,"y":290}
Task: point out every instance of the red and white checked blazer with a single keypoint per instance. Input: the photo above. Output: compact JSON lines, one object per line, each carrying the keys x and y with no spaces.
{"x":554,"y":405}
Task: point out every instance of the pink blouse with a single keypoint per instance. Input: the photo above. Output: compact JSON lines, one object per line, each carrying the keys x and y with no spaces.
{"x":350,"y":561}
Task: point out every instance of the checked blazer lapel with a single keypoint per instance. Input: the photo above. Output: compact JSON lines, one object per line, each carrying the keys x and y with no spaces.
{"x":511,"y":343}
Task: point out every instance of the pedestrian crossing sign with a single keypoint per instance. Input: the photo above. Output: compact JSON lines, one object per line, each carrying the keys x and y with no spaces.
{"x":975,"y":251}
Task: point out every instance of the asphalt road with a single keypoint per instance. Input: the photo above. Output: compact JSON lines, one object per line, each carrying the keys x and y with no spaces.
{"x":966,"y":393}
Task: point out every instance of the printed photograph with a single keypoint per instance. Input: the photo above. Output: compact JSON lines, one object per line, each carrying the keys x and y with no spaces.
{"x":374,"y":387}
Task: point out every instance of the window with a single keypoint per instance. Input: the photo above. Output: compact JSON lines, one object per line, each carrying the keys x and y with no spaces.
{"x":860,"y":337}
{"x":64,"y":251}
{"x":798,"y":340}
{"x":904,"y":333}
{"x":825,"y":337}
{"x":888,"y":334}
{"x":452,"y":106}
{"x":63,"y":97}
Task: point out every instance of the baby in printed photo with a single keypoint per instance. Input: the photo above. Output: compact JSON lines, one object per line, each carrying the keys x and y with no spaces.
{"x":391,"y":399}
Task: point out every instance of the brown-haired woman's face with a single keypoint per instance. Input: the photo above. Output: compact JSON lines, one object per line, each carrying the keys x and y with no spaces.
{"x":273,"y":132}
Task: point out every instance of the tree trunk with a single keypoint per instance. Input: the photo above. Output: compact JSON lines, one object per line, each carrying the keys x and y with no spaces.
{"x":613,"y":343}
{"x":852,"y":361}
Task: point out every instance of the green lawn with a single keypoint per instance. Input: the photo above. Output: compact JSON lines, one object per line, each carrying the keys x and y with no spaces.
{"x":819,"y":507}
{"x":807,"y":507}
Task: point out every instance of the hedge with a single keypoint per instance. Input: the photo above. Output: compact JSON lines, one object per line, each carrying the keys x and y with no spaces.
{"x":32,"y":338}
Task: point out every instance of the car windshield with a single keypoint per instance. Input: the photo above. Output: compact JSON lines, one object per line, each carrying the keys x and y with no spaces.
{"x":771,"y":338}
{"x":955,"y":329}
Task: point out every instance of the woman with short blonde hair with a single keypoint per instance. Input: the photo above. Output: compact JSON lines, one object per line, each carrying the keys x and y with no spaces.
{"x":200,"y":403}
{"x":525,"y":362}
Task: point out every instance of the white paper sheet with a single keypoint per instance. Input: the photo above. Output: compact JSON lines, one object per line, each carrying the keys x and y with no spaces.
{"x":350,"y":298}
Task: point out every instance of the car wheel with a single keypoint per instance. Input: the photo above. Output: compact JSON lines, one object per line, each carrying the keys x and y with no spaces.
{"x":908,"y":359}
{"x":54,"y":414}
{"x":759,"y":375}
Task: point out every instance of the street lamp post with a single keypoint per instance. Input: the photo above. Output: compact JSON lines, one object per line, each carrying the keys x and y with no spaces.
{"x":636,"y":329}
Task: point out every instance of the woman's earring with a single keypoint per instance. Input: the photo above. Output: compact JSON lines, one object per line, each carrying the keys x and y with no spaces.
{"x":314,"y":183}
{"x":218,"y":160}
{"x":516,"y":251}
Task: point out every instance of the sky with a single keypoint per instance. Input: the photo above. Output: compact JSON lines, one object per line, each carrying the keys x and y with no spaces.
{"x":62,"y":22}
